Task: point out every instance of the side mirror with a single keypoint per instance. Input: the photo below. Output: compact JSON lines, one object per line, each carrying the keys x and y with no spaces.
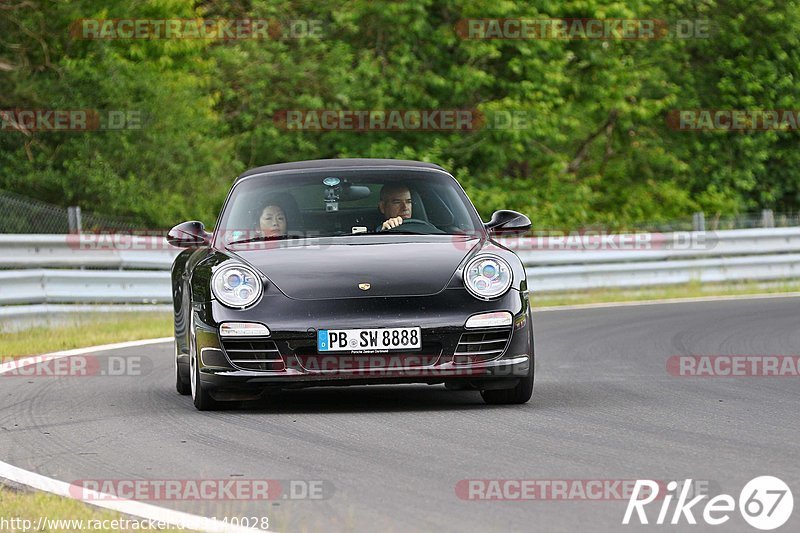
{"x":505,"y":222}
{"x":188,"y":235}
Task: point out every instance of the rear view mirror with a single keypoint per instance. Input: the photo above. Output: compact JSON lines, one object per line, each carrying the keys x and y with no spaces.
{"x":355,"y":192}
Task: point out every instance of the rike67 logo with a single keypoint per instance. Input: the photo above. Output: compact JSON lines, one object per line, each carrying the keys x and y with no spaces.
{"x":765,"y":503}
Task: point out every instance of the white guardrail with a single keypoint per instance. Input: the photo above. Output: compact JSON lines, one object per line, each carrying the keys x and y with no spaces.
{"x":113,"y":269}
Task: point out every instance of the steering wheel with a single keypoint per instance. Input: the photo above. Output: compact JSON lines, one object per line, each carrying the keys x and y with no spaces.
{"x":416,"y":224}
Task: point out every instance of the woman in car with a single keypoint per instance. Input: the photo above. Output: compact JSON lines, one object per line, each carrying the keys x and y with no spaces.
{"x":279,"y":216}
{"x":272,"y":221}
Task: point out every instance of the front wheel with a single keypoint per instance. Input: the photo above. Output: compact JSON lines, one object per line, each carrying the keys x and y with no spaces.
{"x":521,"y":393}
{"x":200,"y":396}
{"x":181,"y":384}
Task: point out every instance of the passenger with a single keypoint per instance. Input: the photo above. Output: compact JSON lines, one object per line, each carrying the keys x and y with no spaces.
{"x":272,"y":221}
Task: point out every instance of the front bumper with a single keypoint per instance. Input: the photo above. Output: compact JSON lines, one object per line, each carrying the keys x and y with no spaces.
{"x":478,"y":376}
{"x":293,"y":326}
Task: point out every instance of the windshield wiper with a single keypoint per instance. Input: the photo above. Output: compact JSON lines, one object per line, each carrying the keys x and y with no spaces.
{"x":261,"y":238}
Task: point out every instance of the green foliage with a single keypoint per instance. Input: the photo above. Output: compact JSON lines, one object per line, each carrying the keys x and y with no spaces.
{"x":591,"y":145}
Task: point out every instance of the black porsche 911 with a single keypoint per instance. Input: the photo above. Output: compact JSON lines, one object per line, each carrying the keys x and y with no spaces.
{"x":350,"y":272}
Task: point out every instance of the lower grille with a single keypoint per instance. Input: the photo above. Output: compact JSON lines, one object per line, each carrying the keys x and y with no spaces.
{"x":252,"y":354}
{"x":477,"y":346}
{"x":310,"y":359}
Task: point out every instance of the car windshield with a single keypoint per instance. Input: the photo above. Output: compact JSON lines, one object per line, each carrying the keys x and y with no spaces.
{"x":350,"y":202}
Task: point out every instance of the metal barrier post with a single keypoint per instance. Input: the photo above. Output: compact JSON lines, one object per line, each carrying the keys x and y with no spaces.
{"x":74,"y":218}
{"x":699,"y":221}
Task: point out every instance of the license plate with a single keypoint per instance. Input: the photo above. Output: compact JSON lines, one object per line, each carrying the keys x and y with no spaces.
{"x":348,"y":340}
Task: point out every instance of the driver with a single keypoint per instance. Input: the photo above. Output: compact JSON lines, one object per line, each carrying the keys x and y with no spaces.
{"x":395,"y":205}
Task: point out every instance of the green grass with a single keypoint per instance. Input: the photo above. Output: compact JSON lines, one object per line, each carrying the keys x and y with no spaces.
{"x":664,"y":292}
{"x":32,"y":505}
{"x":86,"y":330}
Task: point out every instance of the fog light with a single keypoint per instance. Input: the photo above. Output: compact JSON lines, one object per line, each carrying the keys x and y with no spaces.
{"x":243,"y":329}
{"x":488,"y":320}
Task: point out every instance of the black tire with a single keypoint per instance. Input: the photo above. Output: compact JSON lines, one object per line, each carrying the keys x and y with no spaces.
{"x":200,"y":396}
{"x":519,"y":394}
{"x":523,"y":391}
{"x":181,"y":385}
{"x":183,"y":388}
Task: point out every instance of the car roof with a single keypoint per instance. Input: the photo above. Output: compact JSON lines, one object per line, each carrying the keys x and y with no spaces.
{"x":338,"y":164}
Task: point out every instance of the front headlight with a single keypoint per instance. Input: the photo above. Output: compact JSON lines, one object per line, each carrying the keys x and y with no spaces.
{"x":487,"y":277}
{"x":236,"y":286}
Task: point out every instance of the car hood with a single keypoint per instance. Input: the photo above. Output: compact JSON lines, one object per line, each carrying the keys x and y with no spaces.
{"x":334,"y":268}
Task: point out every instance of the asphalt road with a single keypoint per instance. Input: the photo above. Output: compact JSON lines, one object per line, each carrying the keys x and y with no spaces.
{"x":604,"y":408}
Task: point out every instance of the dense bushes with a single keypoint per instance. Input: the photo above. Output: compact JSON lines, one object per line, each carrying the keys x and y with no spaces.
{"x":593,"y":146}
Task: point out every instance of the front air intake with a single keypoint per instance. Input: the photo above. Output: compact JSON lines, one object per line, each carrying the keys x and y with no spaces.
{"x":478,"y":346}
{"x":250,"y":354}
